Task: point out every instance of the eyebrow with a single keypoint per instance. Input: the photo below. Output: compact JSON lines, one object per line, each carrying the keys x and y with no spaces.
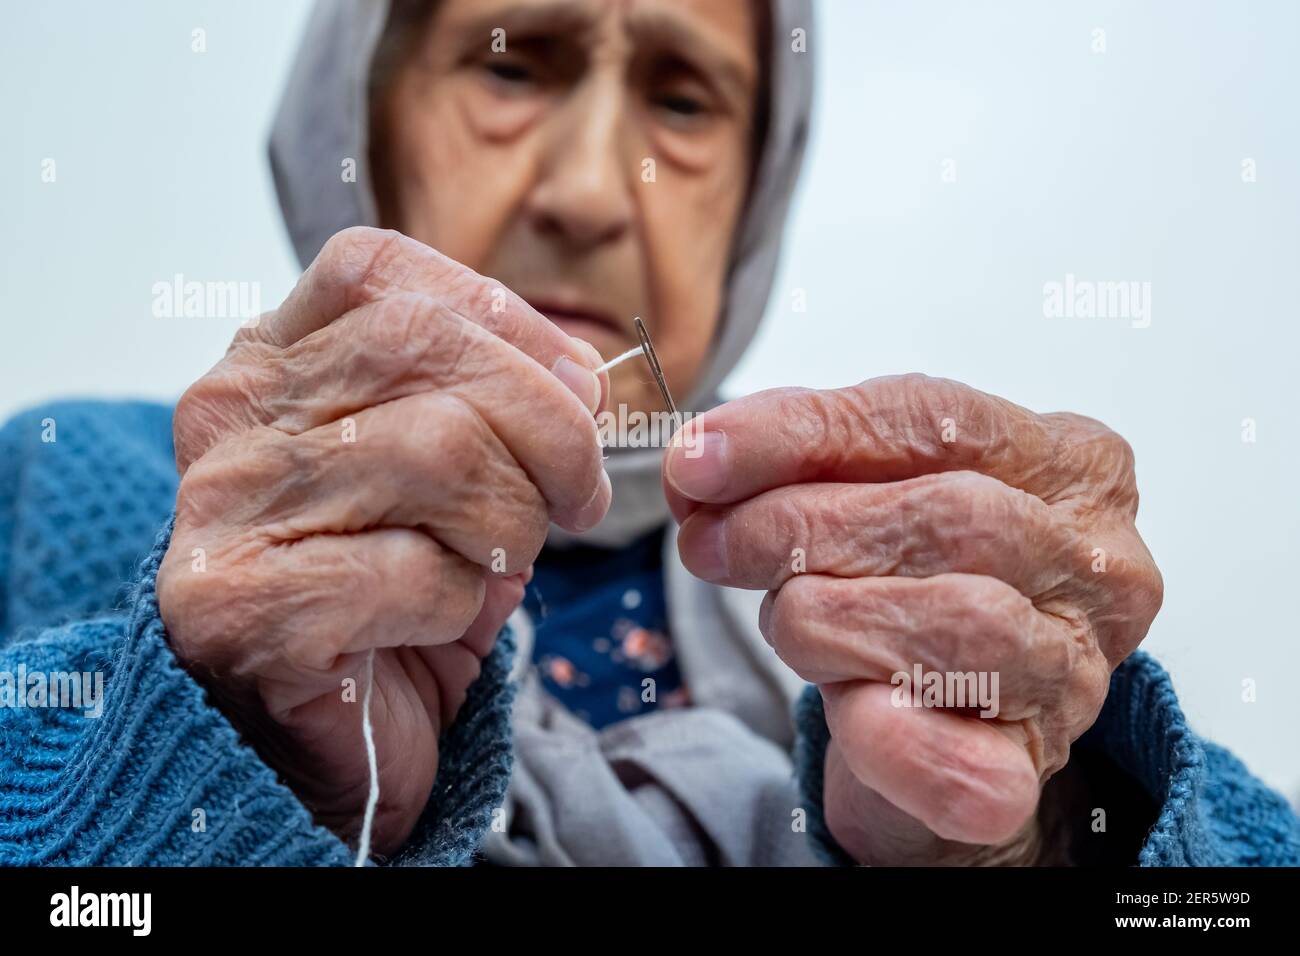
{"x":526,"y":19}
{"x":661,"y":27}
{"x":670,"y":30}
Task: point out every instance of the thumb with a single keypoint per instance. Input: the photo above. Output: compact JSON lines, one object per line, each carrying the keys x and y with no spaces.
{"x":962,"y":777}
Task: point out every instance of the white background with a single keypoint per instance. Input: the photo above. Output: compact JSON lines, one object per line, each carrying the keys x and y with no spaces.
{"x":1124,"y":165}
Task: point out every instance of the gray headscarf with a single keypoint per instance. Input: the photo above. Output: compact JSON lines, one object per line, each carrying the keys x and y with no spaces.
{"x":570,"y":799}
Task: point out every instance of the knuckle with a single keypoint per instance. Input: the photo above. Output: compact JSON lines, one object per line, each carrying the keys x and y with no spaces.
{"x":201,"y":491}
{"x":411,"y":556}
{"x":196,"y":423}
{"x":1151,"y":591}
{"x":788,"y":526}
{"x":1137,"y":587}
{"x":230,"y":398}
{"x":1001,"y":617}
{"x":1118,"y":463}
{"x":1019,"y":538}
{"x":315,"y":652}
{"x":413,"y":337}
{"x":1055,"y":654}
{"x":919,"y":404}
{"x":922,"y":393}
{"x":910,"y":388}
{"x":356,"y":258}
{"x":191,"y":494}
{"x":1099,"y":452}
{"x":928,"y":513}
{"x":919,"y":393}
{"x":806,"y":614}
{"x":1121,"y":450}
{"x":317,"y":609}
{"x":448,"y":590}
{"x":443,"y":439}
{"x":818,"y":418}
{"x":192,"y":434}
{"x":498,"y":309}
{"x":175,"y":598}
{"x":446,"y":439}
{"x":232,"y":477}
{"x":194,"y":610}
{"x":1089,"y":686}
{"x":966,"y":516}
{"x":402,"y":329}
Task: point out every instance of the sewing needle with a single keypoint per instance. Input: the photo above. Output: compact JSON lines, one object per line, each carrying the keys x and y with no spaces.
{"x":658,"y":372}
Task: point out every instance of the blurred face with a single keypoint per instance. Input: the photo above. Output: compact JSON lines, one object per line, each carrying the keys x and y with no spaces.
{"x":591,"y":155}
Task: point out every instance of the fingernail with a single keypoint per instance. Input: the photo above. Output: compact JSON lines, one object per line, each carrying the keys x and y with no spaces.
{"x":765,"y":617}
{"x":584,"y":346}
{"x":581,"y":380}
{"x":700,"y":472}
{"x":704,"y":547}
{"x":594,"y":510}
{"x":595,"y":360}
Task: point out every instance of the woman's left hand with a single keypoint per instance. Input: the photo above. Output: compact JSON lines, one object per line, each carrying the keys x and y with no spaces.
{"x":910,"y":522}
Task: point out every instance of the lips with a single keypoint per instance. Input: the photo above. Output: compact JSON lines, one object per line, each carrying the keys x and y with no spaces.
{"x":572,"y":313}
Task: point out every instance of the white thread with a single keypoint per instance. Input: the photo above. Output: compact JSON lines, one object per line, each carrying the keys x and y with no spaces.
{"x":619,"y":360}
{"x":368,"y":732}
{"x":372,"y":801}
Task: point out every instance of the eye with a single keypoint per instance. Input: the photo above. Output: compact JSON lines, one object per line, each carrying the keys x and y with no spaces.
{"x":678,"y":92}
{"x":680,"y":104}
{"x":508,"y":72}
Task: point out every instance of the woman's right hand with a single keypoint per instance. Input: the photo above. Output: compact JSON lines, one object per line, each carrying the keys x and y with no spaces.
{"x":373,"y":465}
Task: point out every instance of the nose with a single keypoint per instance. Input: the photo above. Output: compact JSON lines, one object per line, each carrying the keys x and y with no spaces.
{"x":582,"y":196}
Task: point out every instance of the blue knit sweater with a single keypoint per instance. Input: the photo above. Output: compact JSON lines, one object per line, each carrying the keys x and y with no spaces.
{"x":161,"y":777}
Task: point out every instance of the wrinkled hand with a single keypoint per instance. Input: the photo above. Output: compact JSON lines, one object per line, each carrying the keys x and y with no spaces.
{"x":360,"y":472}
{"x":939,"y":526}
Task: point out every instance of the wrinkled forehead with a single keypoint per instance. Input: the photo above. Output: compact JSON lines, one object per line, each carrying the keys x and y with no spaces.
{"x":723,"y":34}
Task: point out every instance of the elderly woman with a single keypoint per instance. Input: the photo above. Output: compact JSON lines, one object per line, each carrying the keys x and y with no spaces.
{"x":395,"y":521}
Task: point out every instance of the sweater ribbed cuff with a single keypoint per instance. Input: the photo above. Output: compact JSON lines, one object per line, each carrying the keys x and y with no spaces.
{"x":161,"y":777}
{"x":1143,"y":730}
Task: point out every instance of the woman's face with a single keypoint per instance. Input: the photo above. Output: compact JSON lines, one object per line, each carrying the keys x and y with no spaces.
{"x":591,"y":155}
